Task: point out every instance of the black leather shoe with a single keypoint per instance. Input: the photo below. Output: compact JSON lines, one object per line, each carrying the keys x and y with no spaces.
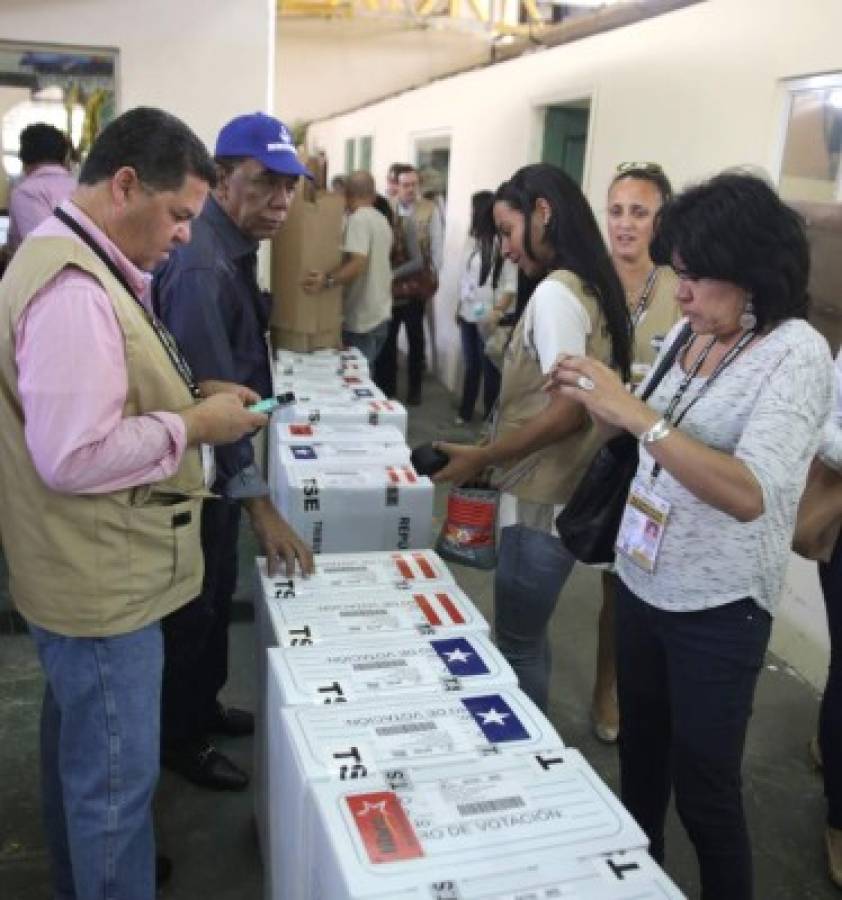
{"x":163,"y":871}
{"x":232,"y":722}
{"x":414,"y":398}
{"x":205,"y":766}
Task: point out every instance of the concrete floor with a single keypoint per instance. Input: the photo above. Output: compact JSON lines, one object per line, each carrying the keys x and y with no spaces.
{"x":211,"y":838}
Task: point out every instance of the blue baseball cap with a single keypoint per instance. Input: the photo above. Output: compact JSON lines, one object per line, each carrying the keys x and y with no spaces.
{"x":265,"y":139}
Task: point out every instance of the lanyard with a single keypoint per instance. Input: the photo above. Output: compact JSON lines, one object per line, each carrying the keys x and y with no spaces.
{"x":167,"y":340}
{"x":643,"y":302}
{"x":723,"y":364}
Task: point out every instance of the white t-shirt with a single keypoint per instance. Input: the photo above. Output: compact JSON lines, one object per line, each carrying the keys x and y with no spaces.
{"x":767,"y":408}
{"x":367,"y":300}
{"x":475,"y":299}
{"x":554,"y":322}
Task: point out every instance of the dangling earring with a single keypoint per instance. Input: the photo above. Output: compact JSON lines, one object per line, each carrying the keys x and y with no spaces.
{"x":748,"y":320}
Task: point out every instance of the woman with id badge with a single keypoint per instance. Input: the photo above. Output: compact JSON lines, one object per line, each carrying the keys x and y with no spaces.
{"x":726,"y":439}
{"x":635,"y":195}
{"x":541,"y":444}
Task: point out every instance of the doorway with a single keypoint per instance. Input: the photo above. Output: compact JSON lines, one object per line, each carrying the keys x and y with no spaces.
{"x":566,"y":137}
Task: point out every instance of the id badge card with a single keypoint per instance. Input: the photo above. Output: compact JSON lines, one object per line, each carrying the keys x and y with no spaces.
{"x":208,"y":465}
{"x":642,"y":527}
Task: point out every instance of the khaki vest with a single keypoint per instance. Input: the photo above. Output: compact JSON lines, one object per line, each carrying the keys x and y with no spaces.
{"x":422,"y":216}
{"x":94,"y":564}
{"x":662,"y":313}
{"x":548,"y":475}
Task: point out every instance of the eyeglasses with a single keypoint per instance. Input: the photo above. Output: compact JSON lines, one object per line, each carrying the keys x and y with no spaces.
{"x":653,"y":168}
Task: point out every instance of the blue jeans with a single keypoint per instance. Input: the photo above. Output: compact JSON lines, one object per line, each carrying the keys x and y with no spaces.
{"x":532,"y":567}
{"x":369,"y":343}
{"x":685,"y":683}
{"x":477,"y":366}
{"x":100,"y":744}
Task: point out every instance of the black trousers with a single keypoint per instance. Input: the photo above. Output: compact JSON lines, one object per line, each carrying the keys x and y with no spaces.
{"x":196,"y":636}
{"x":830,"y":717}
{"x":410,"y":314}
{"x":685,"y":682}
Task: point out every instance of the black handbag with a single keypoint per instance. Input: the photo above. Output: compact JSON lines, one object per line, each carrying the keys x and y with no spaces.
{"x":590,"y":520}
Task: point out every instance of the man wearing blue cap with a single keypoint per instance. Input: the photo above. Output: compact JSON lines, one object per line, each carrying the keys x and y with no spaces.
{"x":207,"y":294}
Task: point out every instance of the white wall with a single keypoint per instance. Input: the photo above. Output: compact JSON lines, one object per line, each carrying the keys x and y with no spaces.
{"x":698,"y":90}
{"x":324,"y":66}
{"x":203,"y":60}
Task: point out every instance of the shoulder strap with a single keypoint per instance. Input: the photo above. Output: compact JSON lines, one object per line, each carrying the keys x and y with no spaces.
{"x":666,"y":361}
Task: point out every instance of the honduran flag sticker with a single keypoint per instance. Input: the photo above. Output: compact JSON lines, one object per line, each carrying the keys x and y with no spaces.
{"x":495,"y":718}
{"x":460,"y":657}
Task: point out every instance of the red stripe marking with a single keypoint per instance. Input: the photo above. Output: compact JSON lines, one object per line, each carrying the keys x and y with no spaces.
{"x":451,"y":609}
{"x":393,"y":475}
{"x":425,"y":607}
{"x":404,"y":567}
{"x":423,"y":564}
{"x":410,"y":475}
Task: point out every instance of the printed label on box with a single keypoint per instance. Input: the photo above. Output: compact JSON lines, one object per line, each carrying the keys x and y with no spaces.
{"x":384,"y":828}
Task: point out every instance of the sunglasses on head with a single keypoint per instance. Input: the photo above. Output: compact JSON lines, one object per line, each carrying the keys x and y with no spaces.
{"x":625,"y":167}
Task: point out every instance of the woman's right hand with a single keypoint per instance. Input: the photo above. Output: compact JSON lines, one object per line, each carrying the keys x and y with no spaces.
{"x":465,"y":462}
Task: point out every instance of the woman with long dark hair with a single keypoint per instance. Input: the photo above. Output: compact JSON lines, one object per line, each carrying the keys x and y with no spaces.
{"x":726,"y":439}
{"x":541,"y":444}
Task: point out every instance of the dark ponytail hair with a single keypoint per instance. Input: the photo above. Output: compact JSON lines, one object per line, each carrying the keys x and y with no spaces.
{"x":576,"y":244}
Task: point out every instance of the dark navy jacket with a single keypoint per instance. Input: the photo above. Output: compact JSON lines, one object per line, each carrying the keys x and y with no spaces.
{"x":207,"y":295}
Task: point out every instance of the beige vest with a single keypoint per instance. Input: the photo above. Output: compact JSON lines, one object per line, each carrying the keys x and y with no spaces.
{"x":94,"y":564}
{"x":548,"y":475}
{"x":662,"y":313}
{"x":422,"y":216}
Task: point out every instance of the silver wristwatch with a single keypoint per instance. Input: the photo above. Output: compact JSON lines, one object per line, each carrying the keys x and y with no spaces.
{"x":656,"y":433}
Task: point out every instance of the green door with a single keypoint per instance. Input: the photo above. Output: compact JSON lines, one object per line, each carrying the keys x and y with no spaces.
{"x":565,"y":139}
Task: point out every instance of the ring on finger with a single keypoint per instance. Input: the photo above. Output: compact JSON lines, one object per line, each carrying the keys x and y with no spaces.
{"x":585,"y":383}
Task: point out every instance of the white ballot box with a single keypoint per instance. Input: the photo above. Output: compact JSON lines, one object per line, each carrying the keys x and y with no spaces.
{"x":347,"y":433}
{"x":332,"y":360}
{"x":334,"y":412}
{"x":365,"y":453}
{"x":328,"y":389}
{"x":369,"y":570}
{"x":344,"y":615}
{"x":302,"y":455}
{"x":357,"y":740}
{"x":365,"y":668}
{"x":629,"y":875}
{"x":421,"y":825}
{"x":337,"y":507}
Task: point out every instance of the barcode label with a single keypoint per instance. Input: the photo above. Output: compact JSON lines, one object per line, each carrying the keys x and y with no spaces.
{"x":383,"y":664}
{"x":408,"y":728}
{"x":481,"y":807}
{"x":348,"y":613}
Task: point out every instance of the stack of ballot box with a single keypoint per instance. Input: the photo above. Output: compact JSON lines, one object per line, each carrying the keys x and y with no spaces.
{"x":352,"y":597}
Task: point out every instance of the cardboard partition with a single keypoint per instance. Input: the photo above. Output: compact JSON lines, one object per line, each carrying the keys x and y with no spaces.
{"x":309,"y":240}
{"x":301,"y":342}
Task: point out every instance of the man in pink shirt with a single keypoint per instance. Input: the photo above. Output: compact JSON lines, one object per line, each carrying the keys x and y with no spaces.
{"x":46,"y":183}
{"x":101,"y":483}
